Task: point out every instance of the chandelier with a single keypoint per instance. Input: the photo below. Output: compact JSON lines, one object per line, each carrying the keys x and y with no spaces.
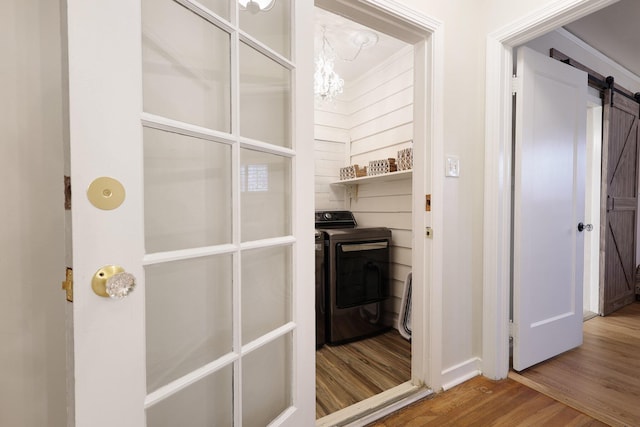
{"x":326,"y":82}
{"x":255,"y":6}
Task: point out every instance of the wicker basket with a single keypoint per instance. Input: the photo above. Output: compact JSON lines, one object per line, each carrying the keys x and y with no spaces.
{"x":353,"y":171}
{"x":405,"y":159}
{"x":379,"y":167}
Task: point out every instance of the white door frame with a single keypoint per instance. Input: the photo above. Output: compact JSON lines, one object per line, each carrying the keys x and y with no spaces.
{"x":497,"y":185}
{"x":426,"y":35}
{"x":591,"y":296}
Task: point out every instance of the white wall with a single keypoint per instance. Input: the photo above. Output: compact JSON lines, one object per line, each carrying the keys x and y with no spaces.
{"x":381,"y":110}
{"x":463,"y":67}
{"x":32,"y":248}
{"x":331,"y":150}
{"x":467,"y":25}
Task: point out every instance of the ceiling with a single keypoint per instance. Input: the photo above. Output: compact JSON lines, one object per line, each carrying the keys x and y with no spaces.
{"x":340,"y":33}
{"x":614,"y":31}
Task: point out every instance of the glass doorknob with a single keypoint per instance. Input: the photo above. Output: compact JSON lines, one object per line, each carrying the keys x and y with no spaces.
{"x":113,"y":282}
{"x":582,"y":227}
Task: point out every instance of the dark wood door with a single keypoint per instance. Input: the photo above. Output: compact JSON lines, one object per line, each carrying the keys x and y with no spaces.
{"x":619,"y":202}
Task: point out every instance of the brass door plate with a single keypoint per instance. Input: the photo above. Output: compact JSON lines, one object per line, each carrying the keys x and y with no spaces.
{"x":99,"y":280}
{"x":106,"y":193}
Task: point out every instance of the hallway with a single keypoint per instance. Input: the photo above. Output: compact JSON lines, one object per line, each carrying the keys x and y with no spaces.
{"x":482,"y":402}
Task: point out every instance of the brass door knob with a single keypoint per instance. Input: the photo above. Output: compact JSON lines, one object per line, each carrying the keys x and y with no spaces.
{"x":113,"y":282}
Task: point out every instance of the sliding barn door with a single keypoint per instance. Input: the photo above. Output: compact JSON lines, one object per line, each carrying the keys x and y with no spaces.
{"x":619,"y":202}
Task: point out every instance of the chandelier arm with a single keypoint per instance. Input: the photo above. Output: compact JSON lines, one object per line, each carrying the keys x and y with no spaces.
{"x":355,"y":56}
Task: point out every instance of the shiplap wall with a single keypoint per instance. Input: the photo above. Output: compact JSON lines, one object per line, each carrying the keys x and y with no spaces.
{"x":372,"y":120}
{"x":331,"y":152}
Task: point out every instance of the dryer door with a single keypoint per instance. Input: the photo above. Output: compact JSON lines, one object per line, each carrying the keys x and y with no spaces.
{"x":362,"y":273}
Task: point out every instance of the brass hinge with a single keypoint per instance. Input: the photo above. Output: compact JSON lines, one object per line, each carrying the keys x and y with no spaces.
{"x":67,"y":285}
{"x":67,"y":193}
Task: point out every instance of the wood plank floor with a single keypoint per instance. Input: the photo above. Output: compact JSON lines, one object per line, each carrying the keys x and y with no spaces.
{"x":349,"y":373}
{"x":602,"y":377}
{"x":482,"y":402}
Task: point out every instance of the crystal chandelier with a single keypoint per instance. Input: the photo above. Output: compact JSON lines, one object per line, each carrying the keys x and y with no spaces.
{"x":326,"y":82}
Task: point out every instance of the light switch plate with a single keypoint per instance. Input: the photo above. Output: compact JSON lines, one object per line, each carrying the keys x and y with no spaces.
{"x":452,"y":166}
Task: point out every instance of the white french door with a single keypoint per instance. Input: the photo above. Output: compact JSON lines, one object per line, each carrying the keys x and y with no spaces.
{"x":548,"y":246}
{"x":189,"y":108}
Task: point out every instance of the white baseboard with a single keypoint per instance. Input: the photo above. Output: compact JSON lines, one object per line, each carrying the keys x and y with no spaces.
{"x":460,"y":373}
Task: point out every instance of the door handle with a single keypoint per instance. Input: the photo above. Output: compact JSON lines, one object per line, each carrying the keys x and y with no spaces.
{"x":587,"y":227}
{"x":113,"y":282}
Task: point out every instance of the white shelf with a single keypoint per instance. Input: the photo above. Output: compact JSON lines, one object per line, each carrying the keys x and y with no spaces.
{"x":391,"y":176}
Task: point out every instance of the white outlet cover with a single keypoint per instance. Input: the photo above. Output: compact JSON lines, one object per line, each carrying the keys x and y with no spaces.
{"x":452,"y":166}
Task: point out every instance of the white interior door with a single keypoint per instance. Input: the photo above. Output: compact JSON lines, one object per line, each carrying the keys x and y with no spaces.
{"x":548,"y":249}
{"x":191,"y":107}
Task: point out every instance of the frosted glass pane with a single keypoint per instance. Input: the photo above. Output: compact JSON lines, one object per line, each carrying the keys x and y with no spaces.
{"x":265,"y":195}
{"x":219,"y":7}
{"x":207,"y":402}
{"x":187,"y":192}
{"x":186,"y":66}
{"x":266,"y":382}
{"x":272,"y":27}
{"x":188,"y":316}
{"x":265,"y":98}
{"x":266,"y":291}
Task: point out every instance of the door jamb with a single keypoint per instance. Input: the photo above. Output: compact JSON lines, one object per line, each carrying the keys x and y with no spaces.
{"x":498,"y":151}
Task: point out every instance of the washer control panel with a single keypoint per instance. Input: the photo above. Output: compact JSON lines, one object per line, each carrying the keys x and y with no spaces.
{"x":335,"y":219}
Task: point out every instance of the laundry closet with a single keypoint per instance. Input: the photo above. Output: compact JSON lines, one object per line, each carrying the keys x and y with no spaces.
{"x":367,"y":121}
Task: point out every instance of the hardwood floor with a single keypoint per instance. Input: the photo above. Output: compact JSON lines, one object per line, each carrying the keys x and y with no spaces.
{"x":482,"y":402}
{"x":602,"y":377}
{"x":596,"y":384}
{"x":349,"y":373}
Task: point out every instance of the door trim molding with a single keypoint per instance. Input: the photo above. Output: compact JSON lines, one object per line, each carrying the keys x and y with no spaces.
{"x":426,"y":35}
{"x":497,"y":187}
{"x":428,"y":173}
